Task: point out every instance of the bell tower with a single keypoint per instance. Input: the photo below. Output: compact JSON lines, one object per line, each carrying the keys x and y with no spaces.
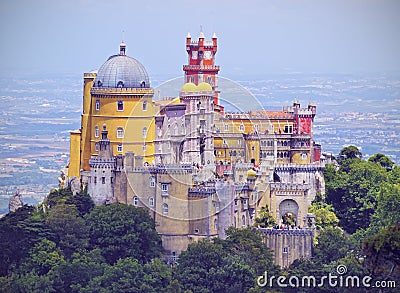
{"x":201,"y":67}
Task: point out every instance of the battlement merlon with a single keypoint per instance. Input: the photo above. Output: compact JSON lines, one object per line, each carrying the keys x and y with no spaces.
{"x":200,"y":43}
{"x":313,"y":167}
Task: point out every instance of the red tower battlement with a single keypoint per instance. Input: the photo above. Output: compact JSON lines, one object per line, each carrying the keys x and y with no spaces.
{"x":201,"y":67}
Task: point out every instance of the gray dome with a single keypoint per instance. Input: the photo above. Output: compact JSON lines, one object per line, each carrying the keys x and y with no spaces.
{"x":121,"y":71}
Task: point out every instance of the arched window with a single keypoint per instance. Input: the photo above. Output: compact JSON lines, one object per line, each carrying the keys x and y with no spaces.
{"x":234,"y":221}
{"x":135,"y":201}
{"x":144,"y":132}
{"x":120,"y":84}
{"x":96,"y":131}
{"x":165,"y":209}
{"x":151,"y":201}
{"x":120,"y":132}
{"x":243,"y":221}
{"x":152,"y":181}
{"x":97,"y":105}
{"x":120,"y":105}
{"x":144,"y":106}
{"x":215,"y":224}
{"x":96,"y":147}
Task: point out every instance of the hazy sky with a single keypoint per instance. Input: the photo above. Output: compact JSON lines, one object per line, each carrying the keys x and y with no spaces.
{"x":261,"y":36}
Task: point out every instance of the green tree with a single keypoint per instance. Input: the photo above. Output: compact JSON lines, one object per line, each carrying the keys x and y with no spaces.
{"x":128,"y":275}
{"x":350,"y":152}
{"x":31,"y":282}
{"x":82,"y":201}
{"x":324,"y":214}
{"x":248,"y":244}
{"x":43,"y":257}
{"x":332,"y":245}
{"x":265,"y":219}
{"x":387,"y":212}
{"x":83,"y":267}
{"x":394,"y":175}
{"x":69,"y":229}
{"x":19,"y":232}
{"x":194,"y":268}
{"x":57,"y":196}
{"x":353,"y":191}
{"x":382,"y":160}
{"x":382,"y":252}
{"x":122,"y":231}
{"x":207,"y":267}
{"x":37,"y":271}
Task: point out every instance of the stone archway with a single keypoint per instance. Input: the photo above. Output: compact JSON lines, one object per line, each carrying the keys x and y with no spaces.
{"x":288,"y":212}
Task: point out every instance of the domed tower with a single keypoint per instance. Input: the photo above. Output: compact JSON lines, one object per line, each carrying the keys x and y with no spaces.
{"x":118,"y":96}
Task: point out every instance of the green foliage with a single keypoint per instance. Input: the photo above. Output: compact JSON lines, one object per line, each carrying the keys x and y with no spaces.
{"x":265,"y":219}
{"x":44,"y":257}
{"x":324,"y":215}
{"x":394,"y":175}
{"x":49,"y":249}
{"x":83,"y":267}
{"x":207,"y":267}
{"x":57,"y":196}
{"x":122,"y":231}
{"x":332,"y":245}
{"x":350,"y":152}
{"x":31,"y":282}
{"x":19,"y":231}
{"x":248,"y":244}
{"x":128,"y":275}
{"x":352,"y":191}
{"x":382,"y":252}
{"x":70,"y":231}
{"x":82,"y":201}
{"x":382,"y":160}
{"x":387,"y":212}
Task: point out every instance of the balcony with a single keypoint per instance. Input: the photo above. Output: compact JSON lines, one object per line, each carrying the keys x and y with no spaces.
{"x":200,"y":68}
{"x":121,"y":91}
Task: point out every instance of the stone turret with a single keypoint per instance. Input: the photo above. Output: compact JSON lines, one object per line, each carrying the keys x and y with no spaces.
{"x":15,"y":202}
{"x":102,"y":172}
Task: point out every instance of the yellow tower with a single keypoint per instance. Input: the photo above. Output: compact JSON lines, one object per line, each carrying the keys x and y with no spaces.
{"x":118,"y":96}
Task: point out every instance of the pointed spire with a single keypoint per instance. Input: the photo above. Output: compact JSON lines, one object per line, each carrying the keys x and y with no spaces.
{"x":188,"y":35}
{"x":201,"y":35}
{"x":214,"y":36}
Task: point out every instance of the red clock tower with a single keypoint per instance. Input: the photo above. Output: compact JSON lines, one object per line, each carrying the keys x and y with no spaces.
{"x":201,"y":68}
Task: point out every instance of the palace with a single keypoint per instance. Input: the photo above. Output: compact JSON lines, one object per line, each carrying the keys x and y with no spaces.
{"x":197,"y":168}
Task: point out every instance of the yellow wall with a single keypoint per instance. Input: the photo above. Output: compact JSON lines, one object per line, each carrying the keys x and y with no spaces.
{"x":132,"y":119}
{"x":233,"y":146}
{"x":298,"y":159}
{"x":74,"y":151}
{"x":86,"y":121}
{"x":253,"y":154}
